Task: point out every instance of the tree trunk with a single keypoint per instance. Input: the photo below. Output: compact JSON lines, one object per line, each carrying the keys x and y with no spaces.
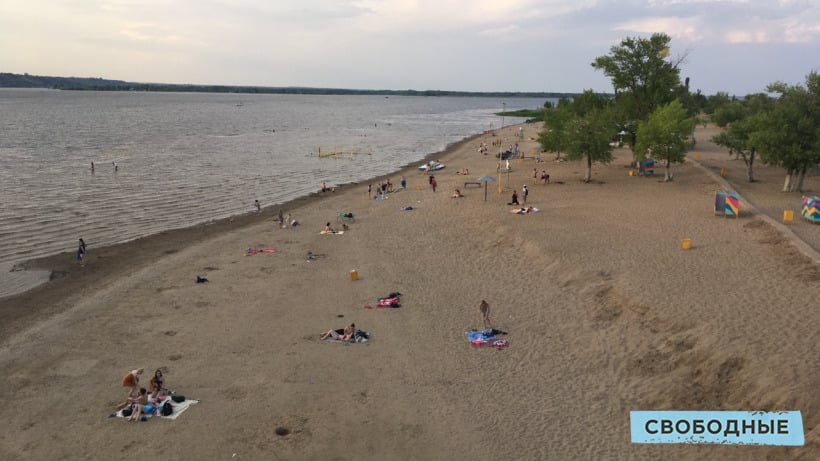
{"x":668,"y":175}
{"x":588,"y":176}
{"x":787,"y":186}
{"x":799,"y":187}
{"x":750,"y":174}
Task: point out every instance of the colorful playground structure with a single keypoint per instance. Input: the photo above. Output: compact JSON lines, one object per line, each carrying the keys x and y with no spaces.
{"x":727,"y":203}
{"x":810,"y":210}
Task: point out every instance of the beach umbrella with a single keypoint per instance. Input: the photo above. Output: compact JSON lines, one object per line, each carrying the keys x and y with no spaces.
{"x":485,"y":180}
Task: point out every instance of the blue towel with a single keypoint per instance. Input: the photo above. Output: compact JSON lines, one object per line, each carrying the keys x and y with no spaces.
{"x":483,"y":335}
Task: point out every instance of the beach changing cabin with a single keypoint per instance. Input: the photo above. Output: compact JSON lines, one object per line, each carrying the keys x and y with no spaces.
{"x":727,"y":203}
{"x":647,"y":167}
{"x":811,"y":209}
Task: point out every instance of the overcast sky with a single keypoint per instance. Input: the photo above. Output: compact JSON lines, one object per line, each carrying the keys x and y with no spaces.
{"x":738,"y":46}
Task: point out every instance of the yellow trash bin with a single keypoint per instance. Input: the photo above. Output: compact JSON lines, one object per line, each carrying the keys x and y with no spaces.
{"x":788,"y":215}
{"x":686,"y":244}
{"x":724,"y":172}
{"x":631,"y":172}
{"x":354,"y":275}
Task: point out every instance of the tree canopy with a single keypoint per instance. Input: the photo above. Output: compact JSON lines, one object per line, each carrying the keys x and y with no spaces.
{"x":789,"y":133}
{"x":581,"y":129}
{"x":643,"y":75}
{"x":665,"y":135}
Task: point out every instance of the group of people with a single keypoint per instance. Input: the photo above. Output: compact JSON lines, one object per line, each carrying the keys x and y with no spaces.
{"x":139,"y":400}
{"x":545,"y":178}
{"x":525,"y":193}
{"x":384,"y":187}
{"x":463,"y":171}
{"x":330,"y":230}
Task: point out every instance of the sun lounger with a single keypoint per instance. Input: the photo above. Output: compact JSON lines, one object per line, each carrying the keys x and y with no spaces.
{"x":472,"y":183}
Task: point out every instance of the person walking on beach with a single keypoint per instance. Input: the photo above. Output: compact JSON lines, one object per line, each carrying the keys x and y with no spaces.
{"x":403,"y":183}
{"x":433,"y":184}
{"x":369,"y":190}
{"x":81,"y":252}
{"x":484,"y":307}
{"x":524,"y":194}
{"x":258,"y":206}
{"x":514,"y":199}
{"x":281,"y":218}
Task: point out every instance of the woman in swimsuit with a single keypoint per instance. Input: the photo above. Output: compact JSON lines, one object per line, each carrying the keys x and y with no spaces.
{"x":343,"y":334}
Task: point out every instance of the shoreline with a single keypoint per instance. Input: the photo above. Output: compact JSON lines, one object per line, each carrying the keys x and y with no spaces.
{"x":60,"y":276}
{"x":604,"y":313}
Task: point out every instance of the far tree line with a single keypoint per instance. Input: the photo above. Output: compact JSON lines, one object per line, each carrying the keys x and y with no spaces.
{"x":655,"y":113}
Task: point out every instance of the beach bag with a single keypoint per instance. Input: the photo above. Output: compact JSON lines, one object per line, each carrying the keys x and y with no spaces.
{"x":126,"y":412}
{"x":167,"y":409}
{"x":178,"y":398}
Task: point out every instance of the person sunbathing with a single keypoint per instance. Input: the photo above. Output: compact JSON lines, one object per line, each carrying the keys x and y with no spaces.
{"x":328,"y":229}
{"x":457,"y":194}
{"x":343,"y":334}
{"x":138,"y":405}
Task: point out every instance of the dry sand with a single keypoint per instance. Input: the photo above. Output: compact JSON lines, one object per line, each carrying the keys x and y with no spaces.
{"x":606,"y":314}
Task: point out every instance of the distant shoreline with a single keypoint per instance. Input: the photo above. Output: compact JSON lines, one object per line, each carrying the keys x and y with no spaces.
{"x":9,"y":80}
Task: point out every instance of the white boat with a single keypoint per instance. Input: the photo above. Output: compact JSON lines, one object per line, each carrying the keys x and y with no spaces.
{"x":431,"y":166}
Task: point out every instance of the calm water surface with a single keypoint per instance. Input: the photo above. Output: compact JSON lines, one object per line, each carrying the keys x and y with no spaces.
{"x":186,"y":158}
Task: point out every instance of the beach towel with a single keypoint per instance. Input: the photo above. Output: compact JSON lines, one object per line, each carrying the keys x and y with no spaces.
{"x":179,"y":408}
{"x":520,"y":211}
{"x":331,"y":233}
{"x":253,"y":251}
{"x":487,"y":338}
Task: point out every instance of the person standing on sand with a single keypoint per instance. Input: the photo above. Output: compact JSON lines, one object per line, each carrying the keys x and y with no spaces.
{"x":132,"y":380}
{"x":524,"y":194}
{"x":258,"y":206}
{"x":369,"y":190}
{"x":484,"y":307}
{"x":281,"y":217}
{"x":403,"y":183}
{"x":81,"y":252}
{"x":433,"y":184}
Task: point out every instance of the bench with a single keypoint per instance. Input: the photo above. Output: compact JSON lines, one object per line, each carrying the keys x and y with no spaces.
{"x":473,"y":183}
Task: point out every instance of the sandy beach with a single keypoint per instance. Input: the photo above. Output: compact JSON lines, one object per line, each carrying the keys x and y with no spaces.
{"x":605,"y":313}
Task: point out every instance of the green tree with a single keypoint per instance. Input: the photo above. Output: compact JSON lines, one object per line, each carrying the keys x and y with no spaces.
{"x":588,"y":137}
{"x":789,"y":134}
{"x":582,"y":129}
{"x":665,"y":135}
{"x":743,"y":119}
{"x":552,"y":134}
{"x":643,"y":76}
